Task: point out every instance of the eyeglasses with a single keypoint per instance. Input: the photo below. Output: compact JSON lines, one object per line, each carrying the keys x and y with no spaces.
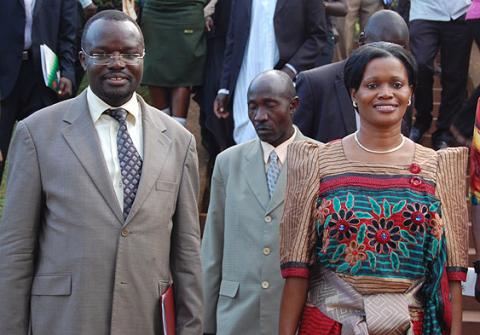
{"x":105,"y":59}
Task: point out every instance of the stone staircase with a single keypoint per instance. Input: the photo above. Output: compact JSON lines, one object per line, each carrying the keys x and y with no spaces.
{"x":471,"y":308}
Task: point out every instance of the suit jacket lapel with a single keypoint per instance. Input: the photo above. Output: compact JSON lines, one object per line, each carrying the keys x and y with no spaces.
{"x":156,"y":145}
{"x":254,"y":170}
{"x":279,"y":194}
{"x":82,"y":138}
{"x":348,"y":113}
{"x":279,"y":6}
{"x":36,"y":7}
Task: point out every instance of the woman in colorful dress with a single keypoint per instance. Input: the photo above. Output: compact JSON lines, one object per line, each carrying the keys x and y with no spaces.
{"x":374,"y":233}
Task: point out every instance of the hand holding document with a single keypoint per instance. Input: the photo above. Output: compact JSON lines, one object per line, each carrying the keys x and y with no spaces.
{"x":50,"y":67}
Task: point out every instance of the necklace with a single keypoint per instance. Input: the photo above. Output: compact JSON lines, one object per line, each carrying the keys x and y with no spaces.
{"x":378,"y":151}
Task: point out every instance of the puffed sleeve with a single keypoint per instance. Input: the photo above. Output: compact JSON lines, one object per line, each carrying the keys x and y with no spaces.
{"x":297,"y":231}
{"x":451,"y":189}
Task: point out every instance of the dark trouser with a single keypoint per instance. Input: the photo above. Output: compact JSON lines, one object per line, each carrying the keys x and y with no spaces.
{"x":29,"y":95}
{"x":454,"y":40}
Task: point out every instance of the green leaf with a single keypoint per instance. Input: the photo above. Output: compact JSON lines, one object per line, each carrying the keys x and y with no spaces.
{"x":406,"y":236}
{"x":395,"y":261}
{"x":336,"y":204}
{"x":386,"y":209}
{"x":356,"y":267}
{"x":399,"y":206}
{"x":404,"y":249}
{"x":361,"y":234}
{"x":339,"y":252}
{"x":372,"y":259}
{"x":327,"y":221}
{"x":434,"y":247}
{"x":375,"y":206}
{"x":363,"y":215}
{"x":342,"y":268}
{"x":350,"y":201}
{"x":434,"y":206}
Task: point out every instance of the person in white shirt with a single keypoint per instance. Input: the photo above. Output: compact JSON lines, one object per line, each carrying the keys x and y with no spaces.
{"x":439,"y":26}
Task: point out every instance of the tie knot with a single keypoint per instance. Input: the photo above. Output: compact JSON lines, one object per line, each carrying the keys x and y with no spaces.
{"x":118,"y":114}
{"x":273,"y":157}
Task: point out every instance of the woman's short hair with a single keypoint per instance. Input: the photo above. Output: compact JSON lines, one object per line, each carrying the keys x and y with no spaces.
{"x":358,"y":61}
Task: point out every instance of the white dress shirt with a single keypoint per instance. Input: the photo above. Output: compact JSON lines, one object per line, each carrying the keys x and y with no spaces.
{"x":280,"y":150}
{"x":29,"y":5}
{"x":107,"y":128}
{"x":438,"y":10}
{"x":261,"y":54}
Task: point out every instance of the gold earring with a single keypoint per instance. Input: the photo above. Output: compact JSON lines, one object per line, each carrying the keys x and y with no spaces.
{"x":409,"y":102}
{"x":354,"y":103}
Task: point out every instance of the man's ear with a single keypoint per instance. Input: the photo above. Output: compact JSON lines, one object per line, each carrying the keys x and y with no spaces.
{"x":82,"y":58}
{"x":294,"y":104}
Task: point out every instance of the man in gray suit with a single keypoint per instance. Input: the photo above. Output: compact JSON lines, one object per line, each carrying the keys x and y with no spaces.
{"x":240,"y":249}
{"x":101,"y":211}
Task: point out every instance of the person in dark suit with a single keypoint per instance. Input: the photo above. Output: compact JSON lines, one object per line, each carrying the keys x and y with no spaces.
{"x":24,"y":26}
{"x":286,"y":35}
{"x":326,"y":112}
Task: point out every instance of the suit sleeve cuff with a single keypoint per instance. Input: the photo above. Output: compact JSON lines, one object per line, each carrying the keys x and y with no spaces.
{"x":85,"y":3}
{"x":291,"y":67}
{"x":295,"y":269}
{"x":457,"y":273}
{"x":223,"y":91}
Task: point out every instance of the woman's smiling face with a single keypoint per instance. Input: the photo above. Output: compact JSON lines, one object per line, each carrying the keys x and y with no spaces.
{"x":384,"y":92}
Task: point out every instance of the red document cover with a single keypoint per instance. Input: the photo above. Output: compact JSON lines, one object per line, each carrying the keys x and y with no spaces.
{"x":168,"y":312}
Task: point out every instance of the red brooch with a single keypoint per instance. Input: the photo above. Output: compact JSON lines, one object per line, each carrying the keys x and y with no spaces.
{"x":415,"y":168}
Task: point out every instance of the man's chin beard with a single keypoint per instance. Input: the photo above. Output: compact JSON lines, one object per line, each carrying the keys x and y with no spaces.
{"x":117,"y":97}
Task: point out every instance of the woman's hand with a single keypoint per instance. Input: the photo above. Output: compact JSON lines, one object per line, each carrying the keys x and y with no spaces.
{"x":456,"y":294}
{"x":293,"y":299}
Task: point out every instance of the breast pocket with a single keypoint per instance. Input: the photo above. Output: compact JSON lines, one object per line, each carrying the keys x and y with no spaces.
{"x":54,"y":284}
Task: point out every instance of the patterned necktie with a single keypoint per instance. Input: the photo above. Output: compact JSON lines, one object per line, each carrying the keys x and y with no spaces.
{"x":273,"y":171}
{"x":129,"y":159}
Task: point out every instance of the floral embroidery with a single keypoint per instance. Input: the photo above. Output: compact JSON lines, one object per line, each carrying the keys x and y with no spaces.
{"x":355,"y":252}
{"x":323,"y":210}
{"x":415,"y":216}
{"x":343,"y":224}
{"x":383,"y":235}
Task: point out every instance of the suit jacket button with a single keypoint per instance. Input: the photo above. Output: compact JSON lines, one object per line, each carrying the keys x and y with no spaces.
{"x":268,"y":219}
{"x":265,"y":284}
{"x":266,"y":251}
{"x":124,"y":232}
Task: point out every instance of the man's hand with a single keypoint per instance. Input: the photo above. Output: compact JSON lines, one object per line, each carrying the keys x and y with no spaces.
{"x":89,"y":11}
{"x":220,"y":105}
{"x":65,"y":88}
{"x":209,"y":24}
{"x":288,"y":71}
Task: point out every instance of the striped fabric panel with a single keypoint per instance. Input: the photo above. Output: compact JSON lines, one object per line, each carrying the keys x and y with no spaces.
{"x":372,"y":285}
{"x":297,"y":231}
{"x":452,"y":170}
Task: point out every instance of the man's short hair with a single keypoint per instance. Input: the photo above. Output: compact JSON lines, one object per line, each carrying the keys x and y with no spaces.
{"x":108,"y":15}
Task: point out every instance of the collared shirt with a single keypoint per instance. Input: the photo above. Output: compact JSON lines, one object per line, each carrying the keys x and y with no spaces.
{"x":438,"y":10}
{"x":27,"y":41}
{"x":107,"y":129}
{"x":261,"y":54}
{"x":281,"y":150}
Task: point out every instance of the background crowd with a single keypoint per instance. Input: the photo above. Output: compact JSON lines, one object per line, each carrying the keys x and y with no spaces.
{"x":220,"y":53}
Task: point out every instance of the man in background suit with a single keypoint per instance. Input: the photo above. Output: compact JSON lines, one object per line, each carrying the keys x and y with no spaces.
{"x":101,"y":211}
{"x":240,"y":251}
{"x":24,"y":26}
{"x":326,"y":112}
{"x":286,"y":35}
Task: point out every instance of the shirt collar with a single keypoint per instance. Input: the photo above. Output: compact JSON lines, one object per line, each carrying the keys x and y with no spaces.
{"x":97,"y":106}
{"x":281,"y":149}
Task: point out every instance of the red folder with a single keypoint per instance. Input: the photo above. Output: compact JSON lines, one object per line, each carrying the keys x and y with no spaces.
{"x":168,"y":311}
